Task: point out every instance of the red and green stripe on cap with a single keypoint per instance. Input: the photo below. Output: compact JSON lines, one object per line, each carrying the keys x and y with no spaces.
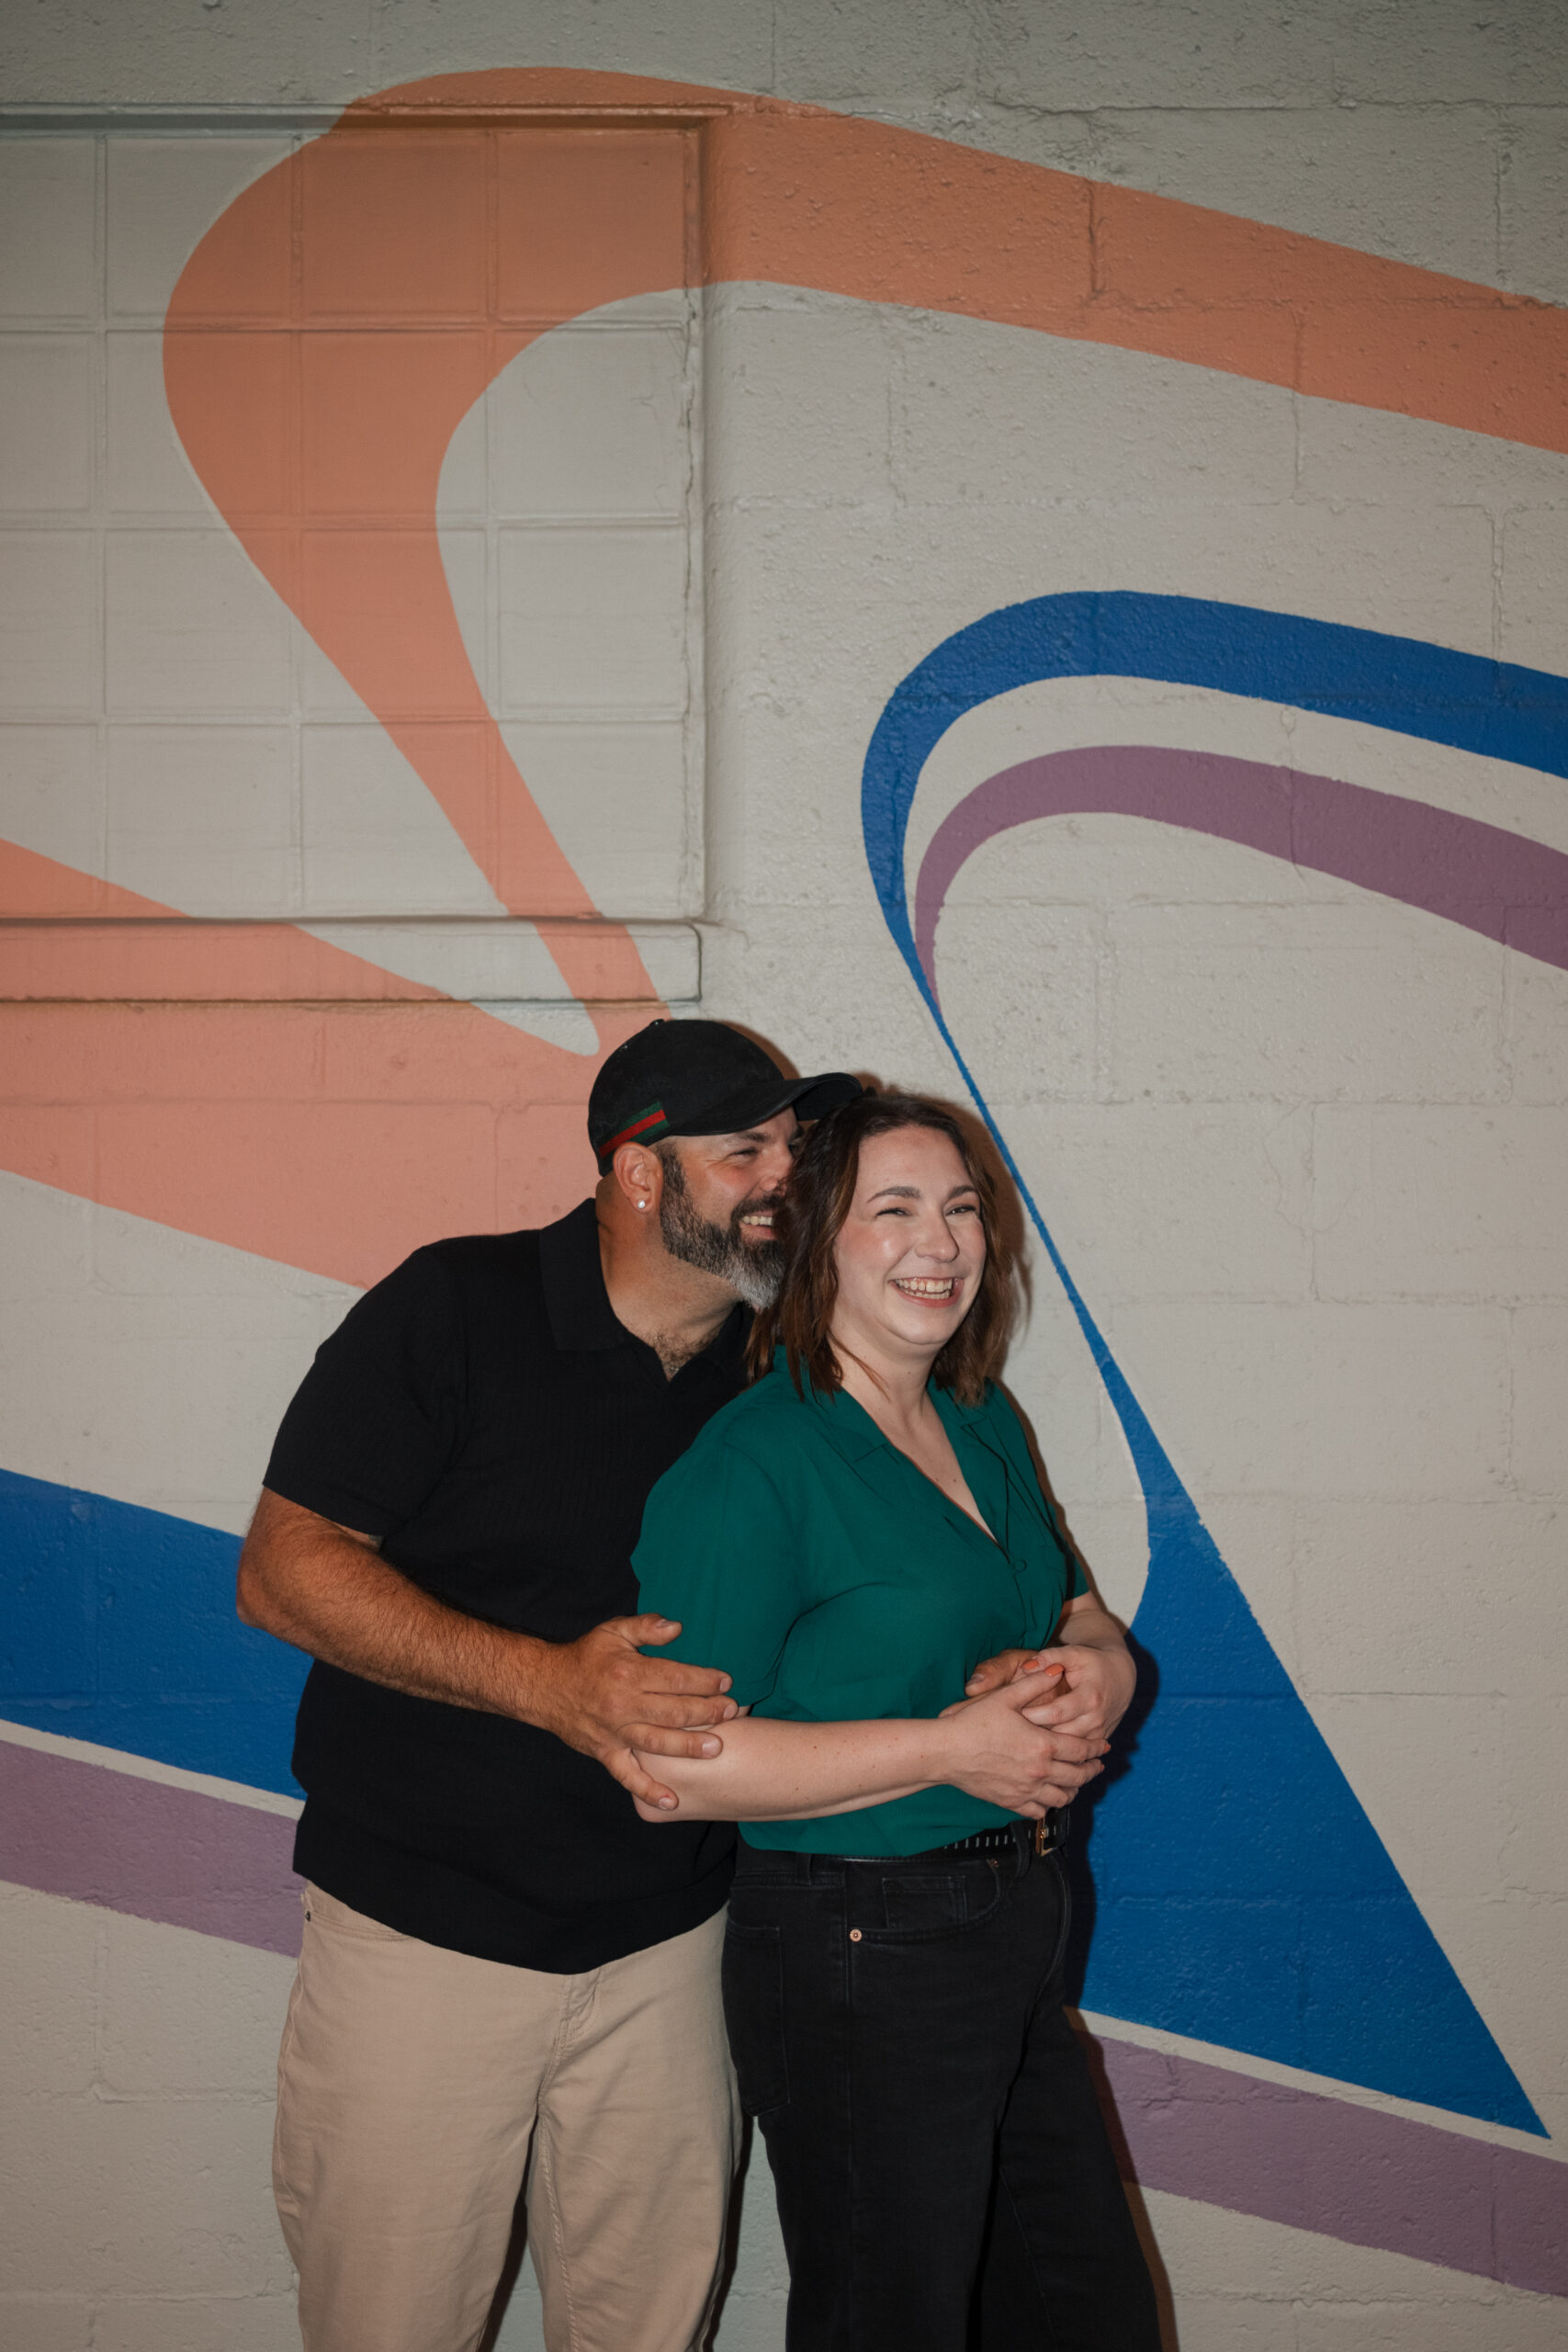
{"x":647,"y":1124}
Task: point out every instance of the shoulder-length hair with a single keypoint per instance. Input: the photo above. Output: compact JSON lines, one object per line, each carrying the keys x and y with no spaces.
{"x":811,"y":1216}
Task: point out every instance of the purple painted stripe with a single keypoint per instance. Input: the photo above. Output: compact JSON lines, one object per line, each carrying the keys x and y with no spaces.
{"x":1348,"y":2172}
{"x":1497,"y":883}
{"x":98,"y":1835}
{"x":1314,"y":2161}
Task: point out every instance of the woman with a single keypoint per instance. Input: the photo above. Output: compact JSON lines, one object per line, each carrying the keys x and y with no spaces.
{"x":848,"y":1539}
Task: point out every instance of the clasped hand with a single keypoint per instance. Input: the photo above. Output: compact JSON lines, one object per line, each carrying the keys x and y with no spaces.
{"x":1093,"y":1685}
{"x":1004,"y":1751}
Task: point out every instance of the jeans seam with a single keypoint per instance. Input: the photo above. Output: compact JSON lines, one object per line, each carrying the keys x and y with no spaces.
{"x":1006,"y":2188}
{"x":558,"y":2234}
{"x":1065,"y":1927}
{"x":290,"y":2032}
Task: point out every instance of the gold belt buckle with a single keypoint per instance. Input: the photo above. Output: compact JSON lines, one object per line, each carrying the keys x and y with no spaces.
{"x":1042,"y":1837}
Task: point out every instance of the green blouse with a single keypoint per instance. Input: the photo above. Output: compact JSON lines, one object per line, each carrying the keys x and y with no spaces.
{"x":810,"y":1559}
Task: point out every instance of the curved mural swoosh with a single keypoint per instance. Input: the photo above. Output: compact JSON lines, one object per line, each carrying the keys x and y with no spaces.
{"x":1479,"y":876}
{"x":371,"y":218}
{"x":258,"y":362}
{"x":1285,"y":1929}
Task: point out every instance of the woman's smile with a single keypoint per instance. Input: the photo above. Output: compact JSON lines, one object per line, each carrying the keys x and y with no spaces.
{"x":912,"y":1250}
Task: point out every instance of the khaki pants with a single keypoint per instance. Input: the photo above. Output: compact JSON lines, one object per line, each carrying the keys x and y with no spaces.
{"x":416,"y":2087}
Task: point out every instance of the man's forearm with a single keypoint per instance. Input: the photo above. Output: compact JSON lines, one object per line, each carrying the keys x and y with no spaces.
{"x":324,"y":1588}
{"x":332,"y":1596}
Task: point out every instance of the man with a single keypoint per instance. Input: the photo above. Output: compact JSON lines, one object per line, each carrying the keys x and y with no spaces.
{"x":498,"y":1955}
{"x":505,"y":1974}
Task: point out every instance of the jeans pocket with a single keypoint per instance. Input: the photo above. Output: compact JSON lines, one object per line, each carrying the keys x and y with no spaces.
{"x":323,"y":1910}
{"x":919,"y":1908}
{"x":916,"y":1902}
{"x":754,"y":2014}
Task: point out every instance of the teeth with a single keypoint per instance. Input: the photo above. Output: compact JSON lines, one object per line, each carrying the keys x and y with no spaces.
{"x":925,"y":1289}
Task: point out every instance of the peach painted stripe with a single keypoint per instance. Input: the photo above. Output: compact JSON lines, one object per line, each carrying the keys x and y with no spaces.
{"x":334,"y":1145}
{"x":33,"y":886}
{"x":138,"y":949}
{"x":336,"y":1137}
{"x":377,"y":226}
{"x":800,"y":196}
{"x":336,"y":1132}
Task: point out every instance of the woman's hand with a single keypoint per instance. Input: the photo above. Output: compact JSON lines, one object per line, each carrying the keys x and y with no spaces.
{"x":995,"y":1673}
{"x":1093,"y":1670}
{"x":995,"y":1748}
{"x":1092,"y":1693}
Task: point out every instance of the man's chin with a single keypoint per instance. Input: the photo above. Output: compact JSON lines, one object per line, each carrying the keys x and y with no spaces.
{"x":757,"y":1270}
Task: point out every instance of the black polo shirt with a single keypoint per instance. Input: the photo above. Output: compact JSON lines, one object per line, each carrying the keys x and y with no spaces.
{"x":484,"y":1414}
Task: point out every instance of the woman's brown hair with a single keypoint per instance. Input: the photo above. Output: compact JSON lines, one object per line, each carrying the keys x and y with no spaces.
{"x":811,"y":1216}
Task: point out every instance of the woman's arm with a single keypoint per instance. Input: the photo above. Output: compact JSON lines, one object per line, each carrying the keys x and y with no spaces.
{"x":773,"y":1770}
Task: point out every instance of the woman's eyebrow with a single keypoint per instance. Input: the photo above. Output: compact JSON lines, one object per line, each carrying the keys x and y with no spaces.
{"x":912,"y":1192}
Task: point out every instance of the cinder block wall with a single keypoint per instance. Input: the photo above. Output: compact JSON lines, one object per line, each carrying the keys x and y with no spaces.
{"x":1020,"y":550}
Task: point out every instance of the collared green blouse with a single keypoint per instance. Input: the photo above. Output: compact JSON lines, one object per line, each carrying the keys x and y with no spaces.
{"x":809,"y":1558}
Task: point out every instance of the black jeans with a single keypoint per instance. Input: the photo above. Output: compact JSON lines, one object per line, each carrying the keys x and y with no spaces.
{"x":943,"y":2176}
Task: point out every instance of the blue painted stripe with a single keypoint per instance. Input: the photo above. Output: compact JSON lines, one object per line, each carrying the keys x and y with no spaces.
{"x":120,"y":1628}
{"x":1473,"y":704}
{"x":1242,"y":1896}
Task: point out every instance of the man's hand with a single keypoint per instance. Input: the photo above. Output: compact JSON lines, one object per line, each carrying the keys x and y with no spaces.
{"x":325,"y":1589}
{"x":602,"y":1697}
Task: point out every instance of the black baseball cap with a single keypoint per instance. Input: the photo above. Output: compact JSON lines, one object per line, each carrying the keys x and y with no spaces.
{"x":698,"y":1077}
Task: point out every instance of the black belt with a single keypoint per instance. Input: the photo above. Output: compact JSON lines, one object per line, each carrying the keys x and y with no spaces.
{"x":1030,"y":1840}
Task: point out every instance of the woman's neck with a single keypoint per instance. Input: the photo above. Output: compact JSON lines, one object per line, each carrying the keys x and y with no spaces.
{"x":891,"y":1388}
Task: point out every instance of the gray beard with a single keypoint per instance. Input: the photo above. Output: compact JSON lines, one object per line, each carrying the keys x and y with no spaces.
{"x":752,"y":1268}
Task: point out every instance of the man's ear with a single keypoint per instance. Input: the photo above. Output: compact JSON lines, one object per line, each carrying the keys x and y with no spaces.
{"x":638,"y":1174}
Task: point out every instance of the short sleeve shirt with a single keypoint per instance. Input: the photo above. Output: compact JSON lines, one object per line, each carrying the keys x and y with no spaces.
{"x":483,"y":1413}
{"x":795,"y":1543}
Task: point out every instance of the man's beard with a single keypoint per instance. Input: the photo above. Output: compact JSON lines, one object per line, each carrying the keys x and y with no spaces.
{"x":752,"y":1268}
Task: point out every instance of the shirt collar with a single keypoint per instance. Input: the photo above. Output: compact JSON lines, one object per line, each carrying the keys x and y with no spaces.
{"x":578,"y":1305}
{"x":850,"y":1428}
{"x":575,"y":1299}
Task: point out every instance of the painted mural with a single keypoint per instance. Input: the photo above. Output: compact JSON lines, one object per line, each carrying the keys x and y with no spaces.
{"x":333,"y":1101}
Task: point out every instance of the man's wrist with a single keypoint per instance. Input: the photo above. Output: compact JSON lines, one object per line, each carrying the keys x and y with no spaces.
{"x":525,"y":1677}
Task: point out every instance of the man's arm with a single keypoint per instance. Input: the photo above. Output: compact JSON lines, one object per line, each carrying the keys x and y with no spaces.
{"x":324,"y":1588}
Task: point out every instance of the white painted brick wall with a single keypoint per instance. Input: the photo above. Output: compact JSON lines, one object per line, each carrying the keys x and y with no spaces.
{"x":1325,"y":1232}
